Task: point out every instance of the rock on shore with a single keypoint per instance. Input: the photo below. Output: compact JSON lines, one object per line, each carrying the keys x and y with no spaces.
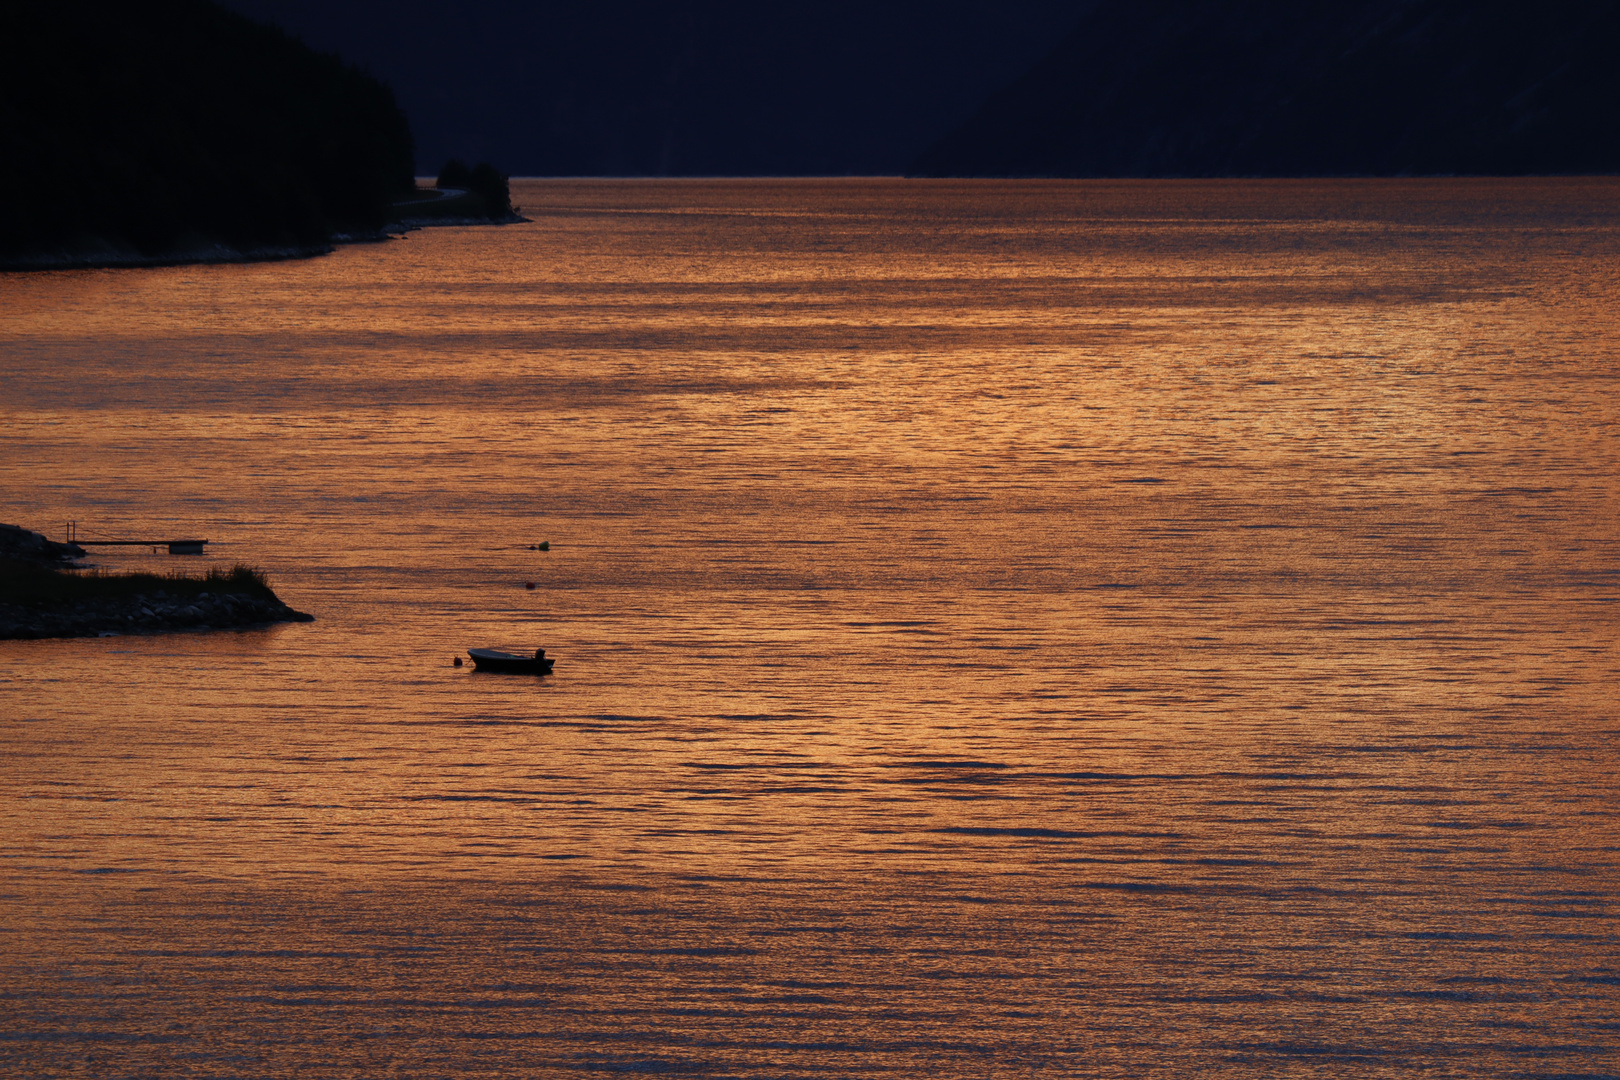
{"x":17,"y":542}
{"x":144,"y":613}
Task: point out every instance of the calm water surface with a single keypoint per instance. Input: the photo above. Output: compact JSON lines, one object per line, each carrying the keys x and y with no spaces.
{"x":1075,"y":629}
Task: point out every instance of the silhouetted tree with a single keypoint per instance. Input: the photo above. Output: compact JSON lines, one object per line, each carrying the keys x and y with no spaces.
{"x":491,"y":185}
{"x":455,"y":174}
{"x":487,"y":183}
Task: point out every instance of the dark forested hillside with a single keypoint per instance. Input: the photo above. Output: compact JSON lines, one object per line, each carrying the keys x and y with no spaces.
{"x":1281,"y":88}
{"x":148,"y":130}
{"x":682,"y":87}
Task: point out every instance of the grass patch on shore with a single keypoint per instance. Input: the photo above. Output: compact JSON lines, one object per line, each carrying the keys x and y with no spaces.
{"x":32,"y":583}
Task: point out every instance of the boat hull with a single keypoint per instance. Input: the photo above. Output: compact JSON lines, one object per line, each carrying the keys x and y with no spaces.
{"x":509,"y":663}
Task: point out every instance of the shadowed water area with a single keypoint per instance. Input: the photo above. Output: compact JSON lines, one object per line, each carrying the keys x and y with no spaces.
{"x":1002,"y":628}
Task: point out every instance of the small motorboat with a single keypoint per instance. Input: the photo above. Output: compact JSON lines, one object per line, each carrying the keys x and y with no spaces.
{"x":511,"y":663}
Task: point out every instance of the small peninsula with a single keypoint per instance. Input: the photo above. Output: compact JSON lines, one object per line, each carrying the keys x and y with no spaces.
{"x":480,"y":195}
{"x":175,"y":131}
{"x":43,"y":596}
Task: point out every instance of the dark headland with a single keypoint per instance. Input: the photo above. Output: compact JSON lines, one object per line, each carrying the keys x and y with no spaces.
{"x":1209,"y":88}
{"x":43,"y":596}
{"x":176,"y":131}
{"x":460,"y":196}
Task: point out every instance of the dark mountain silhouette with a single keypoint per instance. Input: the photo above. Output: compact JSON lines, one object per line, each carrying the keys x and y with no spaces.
{"x":149,"y":131}
{"x":682,"y":87}
{"x":1282,"y":88}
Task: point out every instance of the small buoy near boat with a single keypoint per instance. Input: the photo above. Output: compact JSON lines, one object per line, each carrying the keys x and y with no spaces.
{"x":456,"y":661}
{"x":529,"y":585}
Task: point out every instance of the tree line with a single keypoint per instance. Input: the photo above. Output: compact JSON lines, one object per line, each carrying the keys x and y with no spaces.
{"x":166,"y":125}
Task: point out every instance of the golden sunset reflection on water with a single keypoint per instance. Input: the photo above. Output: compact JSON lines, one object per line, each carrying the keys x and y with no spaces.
{"x":1094,"y":628}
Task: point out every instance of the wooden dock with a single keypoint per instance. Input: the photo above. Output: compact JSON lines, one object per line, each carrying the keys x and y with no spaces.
{"x":176,"y":547}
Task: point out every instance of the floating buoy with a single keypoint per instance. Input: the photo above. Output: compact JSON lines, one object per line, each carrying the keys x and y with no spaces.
{"x":456,"y":661}
{"x":529,"y":585}
{"x":545,"y":545}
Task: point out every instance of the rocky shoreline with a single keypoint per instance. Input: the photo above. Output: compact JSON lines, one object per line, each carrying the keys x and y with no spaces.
{"x":144,"y":613}
{"x":98,"y":255}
